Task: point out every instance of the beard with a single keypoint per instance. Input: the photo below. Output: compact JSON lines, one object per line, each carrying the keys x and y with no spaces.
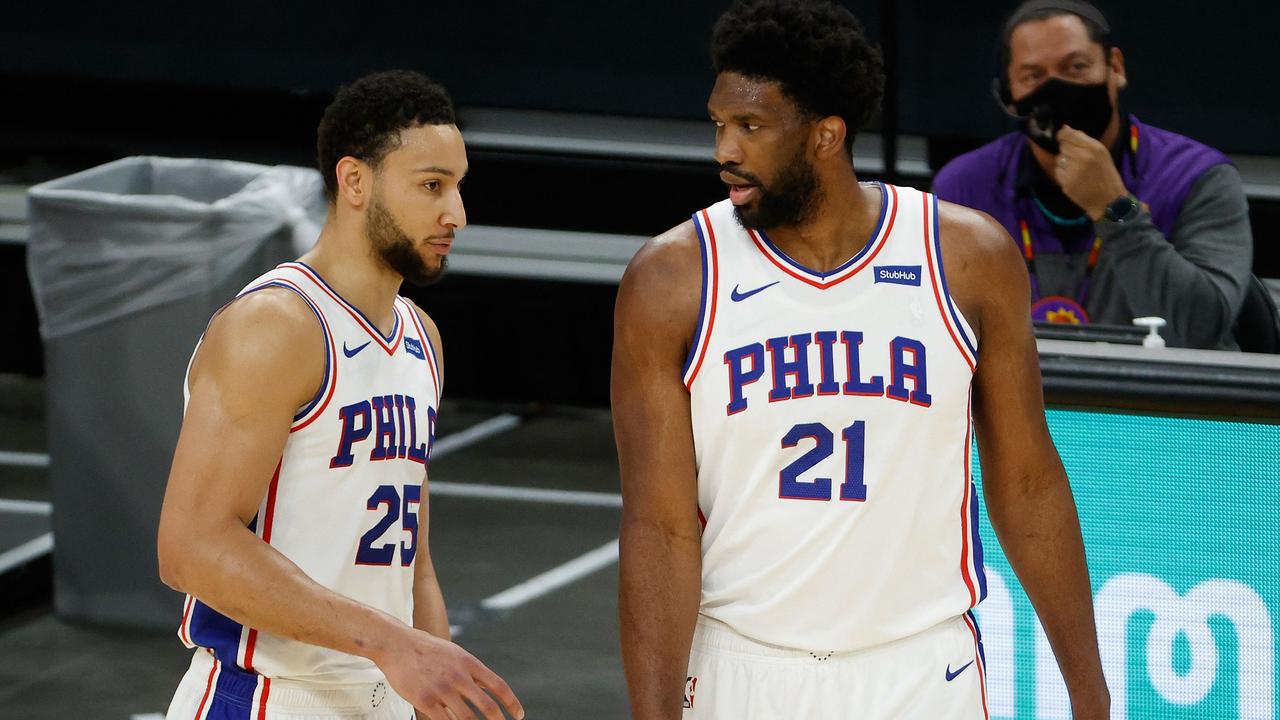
{"x":791,"y":199}
{"x":396,"y":250}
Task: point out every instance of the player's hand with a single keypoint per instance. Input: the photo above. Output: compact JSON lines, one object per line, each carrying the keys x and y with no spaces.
{"x":439,"y":678}
{"x":1086,"y":173}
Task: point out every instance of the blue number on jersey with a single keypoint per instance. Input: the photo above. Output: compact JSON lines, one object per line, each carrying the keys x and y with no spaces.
{"x":789,"y":483}
{"x":855,"y":443}
{"x":791,"y":487}
{"x":412,"y":496}
{"x":367,"y":553}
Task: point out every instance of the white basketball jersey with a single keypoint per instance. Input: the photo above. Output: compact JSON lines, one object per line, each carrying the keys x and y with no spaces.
{"x":343,"y":504}
{"x":832,"y":429}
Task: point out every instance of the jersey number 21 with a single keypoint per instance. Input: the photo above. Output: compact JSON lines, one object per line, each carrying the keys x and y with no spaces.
{"x":791,"y":487}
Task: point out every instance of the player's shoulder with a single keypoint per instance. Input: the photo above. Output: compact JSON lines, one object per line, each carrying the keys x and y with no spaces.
{"x":984,"y":268}
{"x":974,"y":236}
{"x":269,"y":312}
{"x":265,"y":341}
{"x":667,"y":260}
{"x":661,"y":290}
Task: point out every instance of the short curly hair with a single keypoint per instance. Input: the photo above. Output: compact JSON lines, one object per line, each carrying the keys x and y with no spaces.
{"x":815,"y":49}
{"x":366,"y":117}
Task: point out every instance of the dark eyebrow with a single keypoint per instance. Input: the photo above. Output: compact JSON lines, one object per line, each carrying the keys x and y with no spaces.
{"x":435,"y":169}
{"x":1078,"y":55}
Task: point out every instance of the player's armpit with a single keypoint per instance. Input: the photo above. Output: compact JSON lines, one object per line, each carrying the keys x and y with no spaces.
{"x":660,"y":571}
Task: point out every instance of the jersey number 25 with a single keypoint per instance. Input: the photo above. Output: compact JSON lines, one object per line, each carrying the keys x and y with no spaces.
{"x":407,"y":513}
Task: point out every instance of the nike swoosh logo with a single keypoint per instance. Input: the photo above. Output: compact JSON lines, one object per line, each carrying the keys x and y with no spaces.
{"x":952,"y":675}
{"x":740,"y":296}
{"x":353,"y":351}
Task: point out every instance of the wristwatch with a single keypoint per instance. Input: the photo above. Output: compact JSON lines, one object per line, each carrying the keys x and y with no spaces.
{"x":1122,"y":209}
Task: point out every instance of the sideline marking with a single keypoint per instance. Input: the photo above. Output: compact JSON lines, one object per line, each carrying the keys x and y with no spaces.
{"x":480,"y":431}
{"x":26,"y":552}
{"x":554,"y":578}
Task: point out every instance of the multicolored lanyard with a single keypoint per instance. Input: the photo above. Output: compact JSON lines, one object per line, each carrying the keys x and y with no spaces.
{"x":1029,"y":253}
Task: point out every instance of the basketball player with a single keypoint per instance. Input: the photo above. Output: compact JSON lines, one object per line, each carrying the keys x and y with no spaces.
{"x":795,"y":386}
{"x":296,"y":512}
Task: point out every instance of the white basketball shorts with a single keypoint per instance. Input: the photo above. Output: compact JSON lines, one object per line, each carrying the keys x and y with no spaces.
{"x":937,"y":674}
{"x":213,"y":691}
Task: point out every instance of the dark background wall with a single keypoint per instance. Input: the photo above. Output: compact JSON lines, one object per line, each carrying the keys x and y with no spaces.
{"x":82,"y":84}
{"x":1205,"y":69}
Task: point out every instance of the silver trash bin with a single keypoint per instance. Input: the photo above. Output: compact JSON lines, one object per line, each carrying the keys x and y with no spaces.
{"x":127,"y":263}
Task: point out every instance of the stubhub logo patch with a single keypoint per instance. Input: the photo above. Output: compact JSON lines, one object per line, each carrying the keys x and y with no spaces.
{"x":414,"y":348}
{"x":898,"y":274}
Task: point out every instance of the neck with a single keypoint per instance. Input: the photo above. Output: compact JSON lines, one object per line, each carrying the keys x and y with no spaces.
{"x":343,"y":258}
{"x":839,"y":226}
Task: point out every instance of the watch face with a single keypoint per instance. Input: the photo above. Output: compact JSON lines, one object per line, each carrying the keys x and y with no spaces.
{"x":1121,"y":209}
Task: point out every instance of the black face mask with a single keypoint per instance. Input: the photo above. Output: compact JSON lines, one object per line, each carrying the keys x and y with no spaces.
{"x":1041,"y":114}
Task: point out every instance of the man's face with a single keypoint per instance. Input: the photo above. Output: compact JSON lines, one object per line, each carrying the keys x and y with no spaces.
{"x":416,"y":204}
{"x":1059,"y":47}
{"x":762,"y":148}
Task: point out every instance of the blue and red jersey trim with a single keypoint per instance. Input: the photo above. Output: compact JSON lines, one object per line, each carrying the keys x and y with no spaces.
{"x":388,"y":343}
{"x":230,"y":642}
{"x":433,"y":360}
{"x":980,"y":656}
{"x":233,"y":694}
{"x":946,"y":305}
{"x":709,"y":293}
{"x":972,"y":571}
{"x":851,"y":267}
{"x":324,"y":393}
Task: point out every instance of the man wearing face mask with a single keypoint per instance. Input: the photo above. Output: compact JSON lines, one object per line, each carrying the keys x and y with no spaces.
{"x":1116,"y":219}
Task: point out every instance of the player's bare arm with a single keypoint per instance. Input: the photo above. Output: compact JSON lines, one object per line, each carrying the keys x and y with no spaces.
{"x":260,"y":360}
{"x":660,"y":583}
{"x":1026,"y":490}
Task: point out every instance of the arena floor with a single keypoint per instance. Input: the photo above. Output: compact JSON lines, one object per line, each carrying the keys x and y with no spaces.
{"x":524,"y":524}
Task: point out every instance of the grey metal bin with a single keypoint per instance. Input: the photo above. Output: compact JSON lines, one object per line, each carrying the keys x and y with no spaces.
{"x":127,"y":262}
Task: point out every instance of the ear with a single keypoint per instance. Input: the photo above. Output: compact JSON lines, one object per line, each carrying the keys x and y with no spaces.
{"x":1116,"y":61}
{"x":828,"y":136}
{"x":354,"y":180}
